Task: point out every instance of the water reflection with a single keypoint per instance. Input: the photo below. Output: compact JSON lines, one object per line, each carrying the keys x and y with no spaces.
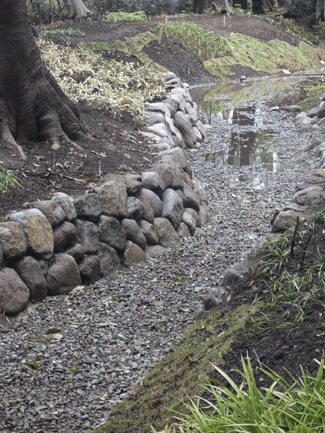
{"x":248,"y":143}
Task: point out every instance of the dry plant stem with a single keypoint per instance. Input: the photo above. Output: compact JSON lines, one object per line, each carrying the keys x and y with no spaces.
{"x":293,"y":240}
{"x":305,"y":249}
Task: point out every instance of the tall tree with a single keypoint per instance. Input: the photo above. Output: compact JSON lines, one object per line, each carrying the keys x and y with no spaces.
{"x":76,"y":9}
{"x":32,"y":104}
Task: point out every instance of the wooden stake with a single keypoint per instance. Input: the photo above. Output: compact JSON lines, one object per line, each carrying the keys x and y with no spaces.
{"x":160,"y":35}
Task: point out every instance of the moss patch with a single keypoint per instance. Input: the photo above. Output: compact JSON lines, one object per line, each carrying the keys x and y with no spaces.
{"x":179,"y":374}
{"x":270,"y":57}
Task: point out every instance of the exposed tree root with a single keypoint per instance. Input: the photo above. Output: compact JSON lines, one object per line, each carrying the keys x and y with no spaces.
{"x":6,"y":135}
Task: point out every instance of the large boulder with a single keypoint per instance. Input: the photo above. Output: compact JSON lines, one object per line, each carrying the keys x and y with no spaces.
{"x":170,"y":171}
{"x":64,"y":234}
{"x":37,"y":230}
{"x":149,"y":231}
{"x":32,"y":275}
{"x":51,"y":210}
{"x":189,"y":197}
{"x":300,"y":197}
{"x":66,"y":203}
{"x":183,"y":231}
{"x":63,"y":275}
{"x":135,"y":208}
{"x":154,"y":251}
{"x":148,"y":213}
{"x":134,"y":233}
{"x":285,"y":219}
{"x":151,"y":180}
{"x":113,"y":199}
{"x":88,"y":206}
{"x":155,"y":202}
{"x":76,"y":251}
{"x":132,"y":182}
{"x":184,"y":125}
{"x":109,"y":260}
{"x":167,"y":235}
{"x":88,"y":236}
{"x":133,"y":254}
{"x":195,"y":215}
{"x":111,"y":232}
{"x":89,"y":269}
{"x":177,"y":154}
{"x":12,"y":240}
{"x":14,"y":293}
{"x":173,"y":208}
{"x":189,"y":220}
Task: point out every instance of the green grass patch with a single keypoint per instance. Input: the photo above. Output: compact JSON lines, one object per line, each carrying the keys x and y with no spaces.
{"x":125,"y":16}
{"x":8,"y":180}
{"x":296,"y":408}
{"x":270,"y":57}
{"x":166,"y":387}
{"x":63,"y":32}
{"x":195,"y":39}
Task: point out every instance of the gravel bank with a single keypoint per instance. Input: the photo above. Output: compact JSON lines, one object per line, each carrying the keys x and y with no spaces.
{"x":71,"y":359}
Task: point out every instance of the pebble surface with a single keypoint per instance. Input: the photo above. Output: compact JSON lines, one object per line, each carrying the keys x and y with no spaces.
{"x":71,"y":359}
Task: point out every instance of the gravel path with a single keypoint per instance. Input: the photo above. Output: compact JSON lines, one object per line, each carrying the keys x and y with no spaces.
{"x":71,"y":359}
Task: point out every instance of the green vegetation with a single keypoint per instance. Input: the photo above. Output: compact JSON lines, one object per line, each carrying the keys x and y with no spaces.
{"x":194,"y":38}
{"x":86,"y":76}
{"x":125,"y":16}
{"x":291,"y":291}
{"x":131,"y":47}
{"x":8,"y":180}
{"x":180,"y":373}
{"x":297,"y":408}
{"x":63,"y":32}
{"x":270,"y":57}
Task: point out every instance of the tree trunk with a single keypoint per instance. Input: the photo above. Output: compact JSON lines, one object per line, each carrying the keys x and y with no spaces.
{"x":257,"y":7}
{"x":76,"y":9}
{"x":32,"y":104}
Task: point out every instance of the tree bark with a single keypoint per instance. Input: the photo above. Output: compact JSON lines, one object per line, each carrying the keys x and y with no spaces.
{"x":76,"y":9}
{"x":32,"y":104}
{"x":257,"y":7}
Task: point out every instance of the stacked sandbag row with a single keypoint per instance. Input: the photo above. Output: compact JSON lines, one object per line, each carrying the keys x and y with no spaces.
{"x":60,"y":243}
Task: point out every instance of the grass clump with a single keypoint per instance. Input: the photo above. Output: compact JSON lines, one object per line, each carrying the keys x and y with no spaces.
{"x":63,"y":32}
{"x":125,"y":16}
{"x":283,"y":407}
{"x":8,"y":180}
{"x":117,"y":86}
{"x":195,"y":39}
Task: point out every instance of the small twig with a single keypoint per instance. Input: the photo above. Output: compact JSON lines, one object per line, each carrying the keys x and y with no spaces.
{"x":305,"y":249}
{"x":293,"y":240}
{"x":258,"y":359}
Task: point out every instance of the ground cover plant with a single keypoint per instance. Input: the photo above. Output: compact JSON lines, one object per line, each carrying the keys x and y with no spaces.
{"x":86,"y":76}
{"x":297,"y":407}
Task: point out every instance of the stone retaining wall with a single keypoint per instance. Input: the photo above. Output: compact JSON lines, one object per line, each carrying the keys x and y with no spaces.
{"x":60,"y":243}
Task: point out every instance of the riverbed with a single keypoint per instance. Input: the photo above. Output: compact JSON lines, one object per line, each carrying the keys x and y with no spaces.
{"x":106,"y":337}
